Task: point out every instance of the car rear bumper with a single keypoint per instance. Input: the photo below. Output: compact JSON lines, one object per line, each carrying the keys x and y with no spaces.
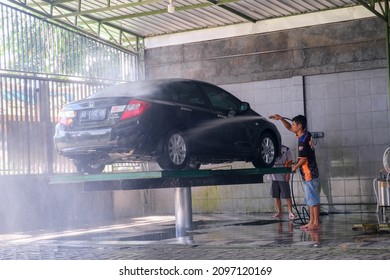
{"x":67,"y":142}
{"x":102,"y":140}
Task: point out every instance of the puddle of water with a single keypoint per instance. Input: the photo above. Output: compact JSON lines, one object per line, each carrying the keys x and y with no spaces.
{"x":256,"y":223}
{"x":157,"y":236}
{"x":166,"y":232}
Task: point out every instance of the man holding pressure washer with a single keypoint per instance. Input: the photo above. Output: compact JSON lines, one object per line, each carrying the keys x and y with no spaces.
{"x":308,"y":167}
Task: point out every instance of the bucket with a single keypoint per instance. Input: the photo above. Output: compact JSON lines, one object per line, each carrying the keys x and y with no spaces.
{"x":382,"y":191}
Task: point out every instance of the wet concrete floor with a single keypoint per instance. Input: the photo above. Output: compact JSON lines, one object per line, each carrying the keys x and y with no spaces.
{"x":354,"y":236}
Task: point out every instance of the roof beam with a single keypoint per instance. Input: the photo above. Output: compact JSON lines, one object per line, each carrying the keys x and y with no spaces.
{"x":177,"y":9}
{"x":108,"y":8}
{"x":44,"y":14}
{"x":56,"y":2}
{"x":220,"y":3}
{"x":91,"y":18}
{"x":233,"y":11}
{"x":371,"y":6}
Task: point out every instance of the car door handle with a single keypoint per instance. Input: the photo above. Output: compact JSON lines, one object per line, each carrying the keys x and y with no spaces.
{"x":185,"y":109}
{"x":221,"y":116}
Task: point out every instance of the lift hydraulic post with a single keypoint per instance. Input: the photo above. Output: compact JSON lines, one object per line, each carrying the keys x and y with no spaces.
{"x":180,"y":180}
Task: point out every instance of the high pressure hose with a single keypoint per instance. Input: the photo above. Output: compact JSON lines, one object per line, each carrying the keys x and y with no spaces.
{"x":304,"y":217}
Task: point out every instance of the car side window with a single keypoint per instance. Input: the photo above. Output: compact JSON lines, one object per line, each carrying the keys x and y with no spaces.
{"x":220,"y":99}
{"x":187,"y":93}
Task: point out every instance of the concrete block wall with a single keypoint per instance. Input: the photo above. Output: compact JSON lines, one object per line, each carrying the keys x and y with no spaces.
{"x":320,"y":49}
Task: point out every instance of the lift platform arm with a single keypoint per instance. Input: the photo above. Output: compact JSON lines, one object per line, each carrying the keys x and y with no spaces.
{"x":167,"y":178}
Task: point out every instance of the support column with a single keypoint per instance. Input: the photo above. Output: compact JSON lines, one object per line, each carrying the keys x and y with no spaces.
{"x":183,"y":210}
{"x":387,"y":15}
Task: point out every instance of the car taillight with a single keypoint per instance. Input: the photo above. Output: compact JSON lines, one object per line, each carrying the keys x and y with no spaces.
{"x":135,"y":108}
{"x":66,"y":117}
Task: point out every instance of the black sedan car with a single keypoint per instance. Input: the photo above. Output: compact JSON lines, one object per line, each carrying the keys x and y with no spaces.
{"x":178,"y":123}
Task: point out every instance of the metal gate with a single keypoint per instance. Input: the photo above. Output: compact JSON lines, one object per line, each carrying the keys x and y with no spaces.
{"x":42,"y":67}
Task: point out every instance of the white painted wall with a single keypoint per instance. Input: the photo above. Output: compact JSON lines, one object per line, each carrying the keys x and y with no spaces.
{"x":264,"y":26}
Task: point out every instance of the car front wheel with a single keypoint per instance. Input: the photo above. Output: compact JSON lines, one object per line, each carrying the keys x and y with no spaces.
{"x":175,"y":154}
{"x":266,"y":151}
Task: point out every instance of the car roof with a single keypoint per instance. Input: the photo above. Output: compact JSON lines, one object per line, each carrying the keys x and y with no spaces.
{"x":139,"y":88}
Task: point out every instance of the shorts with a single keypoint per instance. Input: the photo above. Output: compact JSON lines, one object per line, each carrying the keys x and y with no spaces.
{"x":280,"y":189}
{"x":312,"y":192}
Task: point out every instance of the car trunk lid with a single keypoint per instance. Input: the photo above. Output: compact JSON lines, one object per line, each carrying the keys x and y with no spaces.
{"x":101,"y":112}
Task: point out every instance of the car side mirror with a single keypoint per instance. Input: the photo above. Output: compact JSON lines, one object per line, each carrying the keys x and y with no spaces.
{"x":244,"y":106}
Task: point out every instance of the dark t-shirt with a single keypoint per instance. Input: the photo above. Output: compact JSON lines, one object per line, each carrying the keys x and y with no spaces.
{"x":309,"y":170}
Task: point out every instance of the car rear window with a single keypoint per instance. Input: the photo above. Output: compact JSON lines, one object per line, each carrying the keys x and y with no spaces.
{"x":144,"y":89}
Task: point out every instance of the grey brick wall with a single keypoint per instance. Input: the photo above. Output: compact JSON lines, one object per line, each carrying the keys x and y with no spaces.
{"x":329,"y":48}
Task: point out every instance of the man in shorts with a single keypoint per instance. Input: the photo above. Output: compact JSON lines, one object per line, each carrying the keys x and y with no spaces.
{"x":307,"y":165}
{"x":280,"y":184}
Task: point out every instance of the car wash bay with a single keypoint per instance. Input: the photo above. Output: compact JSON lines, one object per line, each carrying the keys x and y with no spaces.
{"x":340,"y":84}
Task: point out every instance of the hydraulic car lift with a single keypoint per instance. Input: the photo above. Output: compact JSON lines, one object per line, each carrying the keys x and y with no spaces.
{"x":181,"y":181}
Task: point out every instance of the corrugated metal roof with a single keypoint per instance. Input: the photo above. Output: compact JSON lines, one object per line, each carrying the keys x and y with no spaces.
{"x":122,"y":22}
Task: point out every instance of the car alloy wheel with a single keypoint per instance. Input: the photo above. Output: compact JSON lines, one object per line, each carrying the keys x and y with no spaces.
{"x":268,"y":150}
{"x":175,"y":153}
{"x":177,"y":149}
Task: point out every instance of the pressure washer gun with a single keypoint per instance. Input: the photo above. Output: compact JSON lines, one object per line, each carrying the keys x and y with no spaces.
{"x":273,"y":117}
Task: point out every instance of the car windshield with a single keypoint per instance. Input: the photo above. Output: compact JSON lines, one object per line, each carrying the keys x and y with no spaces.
{"x":129,"y":89}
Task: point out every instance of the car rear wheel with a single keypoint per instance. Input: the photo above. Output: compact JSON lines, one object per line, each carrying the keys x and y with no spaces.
{"x":85,"y":166}
{"x":266,"y":151}
{"x":175,"y":153}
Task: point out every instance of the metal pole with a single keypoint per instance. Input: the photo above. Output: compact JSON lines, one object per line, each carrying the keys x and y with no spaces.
{"x":183,"y":210}
{"x":387,"y":52}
